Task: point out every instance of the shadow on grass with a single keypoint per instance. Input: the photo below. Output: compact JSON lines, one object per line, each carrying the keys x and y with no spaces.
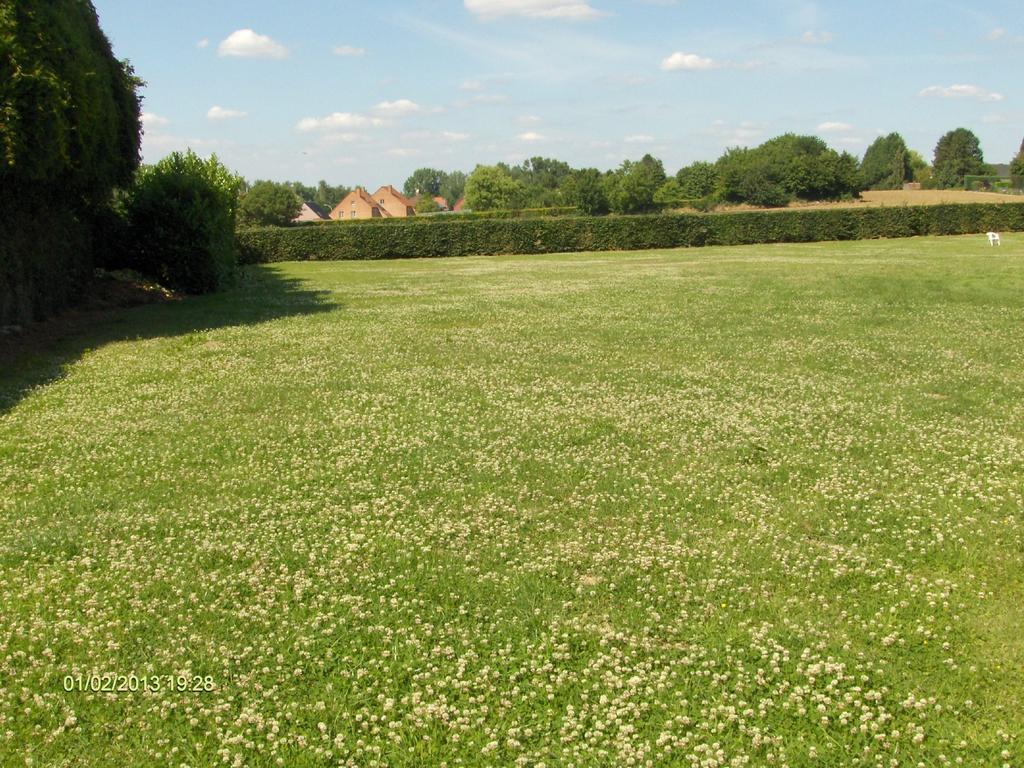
{"x":46,"y":353}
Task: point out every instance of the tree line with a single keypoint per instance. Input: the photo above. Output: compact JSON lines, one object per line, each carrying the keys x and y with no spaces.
{"x":779,"y":171}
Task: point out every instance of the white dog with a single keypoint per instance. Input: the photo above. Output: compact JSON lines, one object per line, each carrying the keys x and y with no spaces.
{"x":993,"y":238}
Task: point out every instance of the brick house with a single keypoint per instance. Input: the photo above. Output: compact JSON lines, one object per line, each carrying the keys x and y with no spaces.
{"x":394,"y":202}
{"x":358,"y":205}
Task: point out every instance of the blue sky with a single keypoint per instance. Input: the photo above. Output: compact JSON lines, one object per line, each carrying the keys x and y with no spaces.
{"x":364,"y":93}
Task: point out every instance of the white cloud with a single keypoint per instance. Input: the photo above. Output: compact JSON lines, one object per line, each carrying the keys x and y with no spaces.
{"x":204,"y":43}
{"x":471,"y":85}
{"x":569,"y":10}
{"x":402,"y":152}
{"x":454,"y":136}
{"x":689,"y":62}
{"x":530,"y":136}
{"x":832,"y":127}
{"x":343,"y":137}
{"x":150,"y":120}
{"x":335,"y":121}
{"x":639,"y":138}
{"x":248,"y":44}
{"x":997,"y":34}
{"x":349,"y":50}
{"x":810,"y":37}
{"x":219,"y":113}
{"x":529,"y":119}
{"x":962,"y":92}
{"x":995,"y":119}
{"x":398,"y":107}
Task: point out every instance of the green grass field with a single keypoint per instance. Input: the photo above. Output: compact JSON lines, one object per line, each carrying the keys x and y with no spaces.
{"x":716,"y":507}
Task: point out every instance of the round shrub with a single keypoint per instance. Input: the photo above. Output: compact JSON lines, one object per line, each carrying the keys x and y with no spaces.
{"x":181,"y":215}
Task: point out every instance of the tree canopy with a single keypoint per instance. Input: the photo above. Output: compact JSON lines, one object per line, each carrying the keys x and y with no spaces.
{"x":631,"y":188}
{"x":270,"y":204}
{"x":787,"y":167}
{"x":886,"y":164}
{"x":492,"y":188}
{"x":958,"y":154}
{"x":71,"y":115}
{"x":585,"y":190}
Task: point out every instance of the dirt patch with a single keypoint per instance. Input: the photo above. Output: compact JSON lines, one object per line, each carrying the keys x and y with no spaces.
{"x":898,"y":197}
{"x":105,"y":294}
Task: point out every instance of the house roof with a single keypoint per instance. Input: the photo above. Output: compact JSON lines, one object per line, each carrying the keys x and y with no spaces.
{"x":318,"y":209}
{"x":362,"y":195}
{"x":392,"y":191}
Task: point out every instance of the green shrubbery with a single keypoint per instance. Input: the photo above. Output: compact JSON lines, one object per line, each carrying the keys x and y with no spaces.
{"x":268,"y":203}
{"x":181,"y":223}
{"x":462,"y":238}
{"x":69,"y":135}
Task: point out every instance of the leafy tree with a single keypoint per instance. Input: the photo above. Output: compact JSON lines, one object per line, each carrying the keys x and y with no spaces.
{"x":182,"y":220}
{"x":697,"y":180}
{"x":492,"y":188}
{"x":746,"y":177}
{"x":453,"y":186}
{"x":304,"y":191}
{"x":585,"y":190}
{"x":631,"y":188}
{"x":327,"y":195}
{"x":427,"y":204}
{"x":270,"y":204}
{"x":886,"y":164}
{"x":424,"y":181}
{"x":1017,"y":164}
{"x":671,"y":194}
{"x":957,"y":155}
{"x":922,"y":172}
{"x":784,"y":168}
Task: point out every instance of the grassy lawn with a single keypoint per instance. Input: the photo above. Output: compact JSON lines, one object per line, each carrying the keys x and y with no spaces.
{"x":717,"y":507}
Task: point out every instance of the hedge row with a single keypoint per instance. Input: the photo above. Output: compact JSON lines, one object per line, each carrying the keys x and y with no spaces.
{"x":615,"y":233}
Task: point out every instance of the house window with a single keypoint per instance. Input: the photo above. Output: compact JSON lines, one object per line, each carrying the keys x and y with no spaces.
{"x":353,"y":214}
{"x":382,"y":201}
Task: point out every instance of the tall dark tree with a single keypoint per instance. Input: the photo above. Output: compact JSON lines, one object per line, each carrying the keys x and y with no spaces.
{"x":958,"y":154}
{"x":886,"y":164}
{"x":1017,"y":164}
{"x":69,"y":135}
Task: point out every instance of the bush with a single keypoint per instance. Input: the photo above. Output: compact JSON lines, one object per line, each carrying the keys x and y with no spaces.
{"x":469,"y":237}
{"x":69,"y":135}
{"x":181,"y":216}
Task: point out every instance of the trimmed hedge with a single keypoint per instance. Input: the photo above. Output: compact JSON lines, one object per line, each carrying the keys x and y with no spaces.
{"x":619,"y":233}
